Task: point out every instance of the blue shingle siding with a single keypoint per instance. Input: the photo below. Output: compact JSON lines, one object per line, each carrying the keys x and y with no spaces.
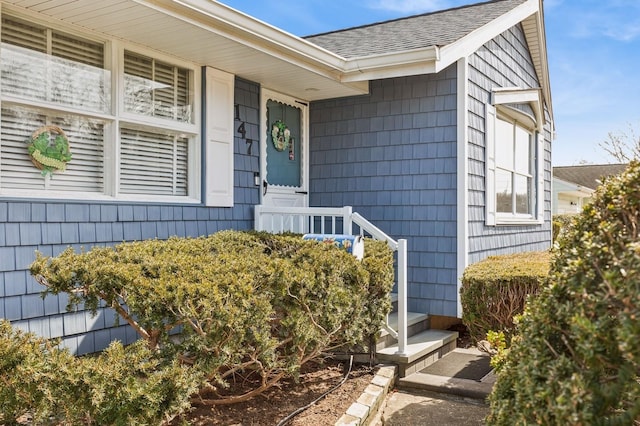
{"x":503,"y":62}
{"x":51,"y":227}
{"x":392,"y":156}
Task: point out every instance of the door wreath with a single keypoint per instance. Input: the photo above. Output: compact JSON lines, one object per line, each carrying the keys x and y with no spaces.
{"x":280,"y":135}
{"x":49,"y":149}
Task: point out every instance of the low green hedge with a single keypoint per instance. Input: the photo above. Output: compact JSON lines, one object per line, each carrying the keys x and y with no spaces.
{"x":44,"y":384}
{"x":496,"y":289}
{"x":247,"y":304}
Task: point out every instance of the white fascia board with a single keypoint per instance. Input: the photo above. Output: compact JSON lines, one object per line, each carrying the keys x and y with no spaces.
{"x":544,"y":64}
{"x":576,"y":194}
{"x":394,"y":64}
{"x":470,"y":43}
{"x":515,"y":95}
{"x":244,"y":29}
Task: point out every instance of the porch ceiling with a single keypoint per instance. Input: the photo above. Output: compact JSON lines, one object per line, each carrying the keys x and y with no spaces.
{"x":208,"y":33}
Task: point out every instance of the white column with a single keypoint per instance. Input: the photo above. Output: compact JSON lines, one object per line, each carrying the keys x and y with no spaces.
{"x":402,"y":297}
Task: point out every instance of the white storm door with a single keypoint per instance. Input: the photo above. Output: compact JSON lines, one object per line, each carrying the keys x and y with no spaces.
{"x":284,"y":156}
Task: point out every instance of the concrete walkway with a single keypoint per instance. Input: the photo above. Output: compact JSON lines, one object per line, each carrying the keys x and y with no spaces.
{"x":455,"y":395}
{"x":423,"y":408}
{"x":452,"y":397}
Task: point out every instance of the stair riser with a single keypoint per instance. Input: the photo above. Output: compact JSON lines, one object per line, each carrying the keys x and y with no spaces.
{"x":388,"y":340}
{"x":422,"y":350}
{"x":406,"y":369}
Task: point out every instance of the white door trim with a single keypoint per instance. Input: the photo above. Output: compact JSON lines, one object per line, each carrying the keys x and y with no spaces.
{"x":299,"y":195}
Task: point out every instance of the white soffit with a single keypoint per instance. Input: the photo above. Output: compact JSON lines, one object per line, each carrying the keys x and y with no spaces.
{"x":207,"y":33}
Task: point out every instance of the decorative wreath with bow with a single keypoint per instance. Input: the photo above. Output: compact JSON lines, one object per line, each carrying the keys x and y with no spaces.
{"x":49,"y":149}
{"x":280,"y":135}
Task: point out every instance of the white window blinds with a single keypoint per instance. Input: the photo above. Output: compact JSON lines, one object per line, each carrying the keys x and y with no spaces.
{"x":83,"y":174}
{"x":156,"y":89}
{"x":153,"y":163}
{"x":45,"y":65}
{"x":145,"y":143}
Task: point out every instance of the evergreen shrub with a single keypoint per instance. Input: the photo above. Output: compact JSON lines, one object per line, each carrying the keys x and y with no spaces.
{"x":576,"y":357}
{"x":495,"y":290}
{"x":43,"y":384}
{"x":561,"y":223}
{"x":234,"y":303}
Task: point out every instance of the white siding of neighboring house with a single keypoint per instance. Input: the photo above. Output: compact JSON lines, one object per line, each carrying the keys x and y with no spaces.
{"x":569,"y":198}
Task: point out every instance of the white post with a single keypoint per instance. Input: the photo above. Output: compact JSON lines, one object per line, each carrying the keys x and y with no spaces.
{"x":402,"y":297}
{"x":257,"y":219}
{"x":346,"y":220}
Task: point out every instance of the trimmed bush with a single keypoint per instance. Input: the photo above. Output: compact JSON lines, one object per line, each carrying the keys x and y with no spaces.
{"x":496,"y":289}
{"x":121,"y":386}
{"x":576,"y":357}
{"x":250,"y":304}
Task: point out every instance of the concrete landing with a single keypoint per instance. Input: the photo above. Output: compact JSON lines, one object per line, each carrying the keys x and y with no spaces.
{"x":448,"y":376}
{"x":424,"y":408}
{"x":440,"y":399}
{"x":423,"y":349}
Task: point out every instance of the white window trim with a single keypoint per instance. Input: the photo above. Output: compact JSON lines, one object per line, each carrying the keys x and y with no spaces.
{"x":114,"y":54}
{"x":500,"y":99}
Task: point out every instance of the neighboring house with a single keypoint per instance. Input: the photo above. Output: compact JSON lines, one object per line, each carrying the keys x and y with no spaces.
{"x":573,"y":186}
{"x":437,"y":128}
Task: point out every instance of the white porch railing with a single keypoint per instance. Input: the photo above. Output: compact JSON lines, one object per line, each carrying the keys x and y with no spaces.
{"x":340,"y":220}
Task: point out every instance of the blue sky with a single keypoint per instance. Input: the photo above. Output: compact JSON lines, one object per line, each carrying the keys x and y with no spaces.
{"x":593,"y":49}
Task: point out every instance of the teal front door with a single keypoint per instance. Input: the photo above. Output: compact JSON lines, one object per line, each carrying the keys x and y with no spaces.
{"x":284,"y":141}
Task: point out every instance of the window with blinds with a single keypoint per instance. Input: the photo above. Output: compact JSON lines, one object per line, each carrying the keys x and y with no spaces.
{"x":156,"y":89}
{"x":51,"y":77}
{"x":41,"y":64}
{"x":84,"y":173}
{"x":153,"y":163}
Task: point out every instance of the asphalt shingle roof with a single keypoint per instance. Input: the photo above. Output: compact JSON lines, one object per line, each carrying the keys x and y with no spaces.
{"x":414,"y":32}
{"x":587,"y":175}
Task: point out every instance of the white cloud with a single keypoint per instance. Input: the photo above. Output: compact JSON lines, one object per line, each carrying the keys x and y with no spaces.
{"x":625,"y":32}
{"x":614,"y":19}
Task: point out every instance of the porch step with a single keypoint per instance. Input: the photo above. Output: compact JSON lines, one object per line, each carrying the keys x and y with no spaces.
{"x":423,"y":349}
{"x":462,"y":372}
{"x":416,"y":323}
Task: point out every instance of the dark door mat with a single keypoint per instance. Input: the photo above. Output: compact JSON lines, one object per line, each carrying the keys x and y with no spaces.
{"x":461,"y":366}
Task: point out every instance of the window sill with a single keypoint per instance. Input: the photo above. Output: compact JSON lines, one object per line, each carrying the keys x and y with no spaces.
{"x":97,"y":198}
{"x":517,"y":221}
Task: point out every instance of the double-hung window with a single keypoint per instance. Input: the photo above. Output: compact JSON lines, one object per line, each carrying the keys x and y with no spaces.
{"x":515,"y":158}
{"x":130,"y":117}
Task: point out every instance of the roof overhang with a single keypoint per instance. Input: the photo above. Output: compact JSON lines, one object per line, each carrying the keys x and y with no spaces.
{"x":571,"y":189}
{"x":207,"y":33}
{"x":388,"y":65}
{"x":530,"y":14}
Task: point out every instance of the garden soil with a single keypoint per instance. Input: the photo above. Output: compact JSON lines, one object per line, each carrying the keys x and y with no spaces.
{"x":274,"y":405}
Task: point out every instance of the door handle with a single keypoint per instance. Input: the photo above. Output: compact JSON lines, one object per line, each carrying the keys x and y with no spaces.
{"x":302,"y":192}
{"x":265,"y":185}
